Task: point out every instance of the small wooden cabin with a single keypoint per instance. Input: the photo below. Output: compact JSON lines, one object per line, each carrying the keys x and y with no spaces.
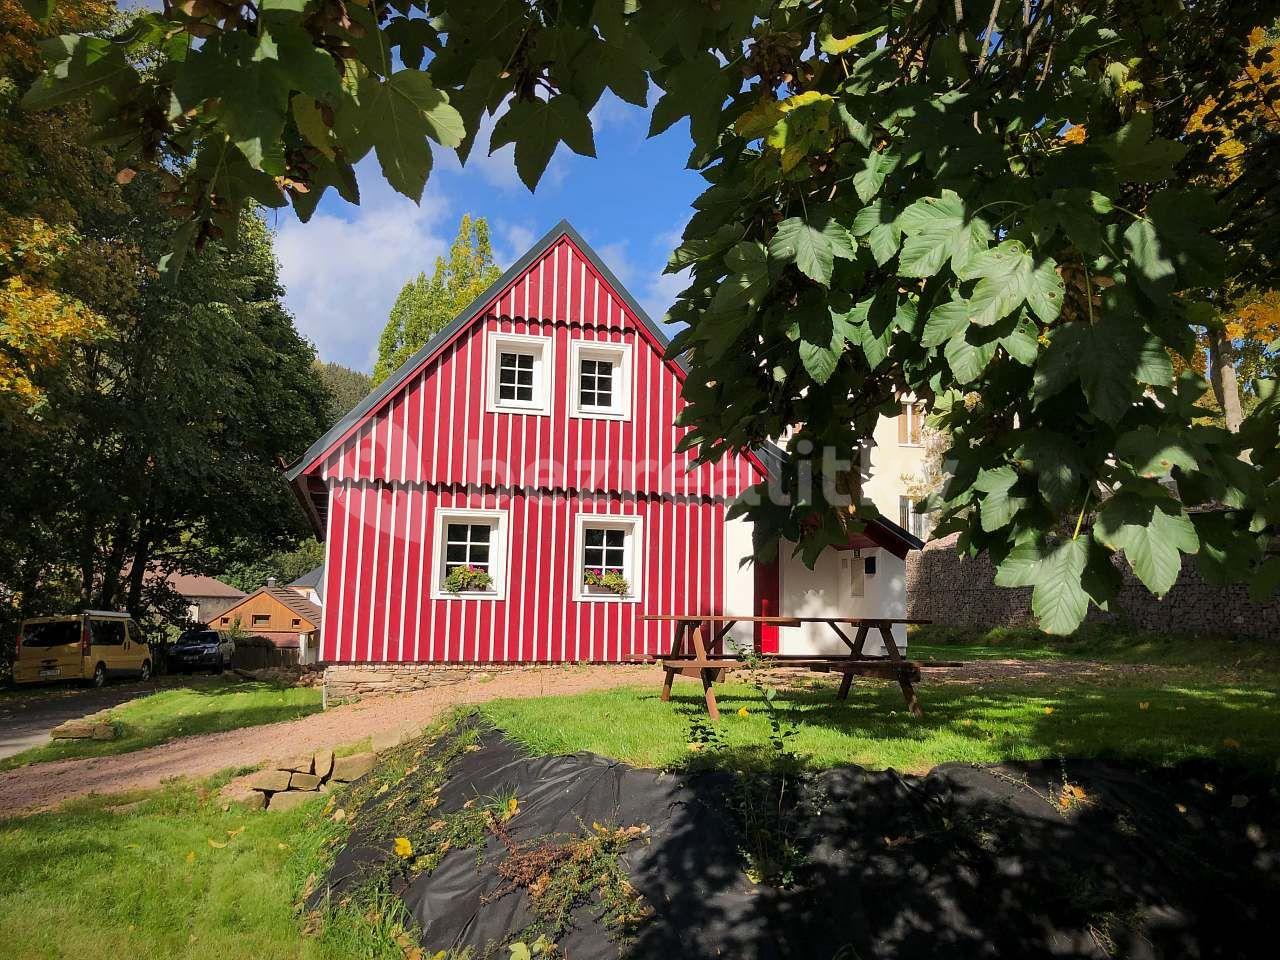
{"x":283,"y":616}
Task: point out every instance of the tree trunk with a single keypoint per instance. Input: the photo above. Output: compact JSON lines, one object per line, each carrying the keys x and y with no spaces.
{"x":1222,"y":374}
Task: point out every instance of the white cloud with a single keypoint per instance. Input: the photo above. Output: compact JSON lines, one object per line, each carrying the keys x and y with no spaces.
{"x":511,"y":241}
{"x":342,"y":273}
{"x":661,"y":293}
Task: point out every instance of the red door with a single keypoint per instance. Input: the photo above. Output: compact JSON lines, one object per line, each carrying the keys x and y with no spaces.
{"x":767,"y":590}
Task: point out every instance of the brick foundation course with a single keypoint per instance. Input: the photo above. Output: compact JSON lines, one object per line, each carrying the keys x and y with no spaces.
{"x":948,"y":590}
{"x":345,"y":682}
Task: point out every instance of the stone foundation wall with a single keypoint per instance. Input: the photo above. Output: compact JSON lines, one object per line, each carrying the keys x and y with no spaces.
{"x":355,"y":681}
{"x":948,"y":590}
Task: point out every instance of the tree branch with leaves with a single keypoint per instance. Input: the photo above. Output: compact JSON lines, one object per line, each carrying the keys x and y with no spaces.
{"x":992,"y":200}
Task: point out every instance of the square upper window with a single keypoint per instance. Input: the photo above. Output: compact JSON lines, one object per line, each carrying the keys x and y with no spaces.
{"x":608,"y":558}
{"x":470,"y":545}
{"x":515,"y":377}
{"x":519,"y":373}
{"x":603,"y":380}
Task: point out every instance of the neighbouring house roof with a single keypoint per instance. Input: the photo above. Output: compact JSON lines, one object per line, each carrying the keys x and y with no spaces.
{"x":314,"y":579}
{"x":195,"y":585}
{"x":290,"y":599}
{"x":295,"y":602}
{"x":879,"y":532}
{"x":190,"y":584}
{"x":883,"y":532}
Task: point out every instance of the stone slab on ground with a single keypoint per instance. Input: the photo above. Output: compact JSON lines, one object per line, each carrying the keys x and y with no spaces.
{"x":350,"y":682}
{"x":299,"y":764}
{"x":271,"y":781}
{"x":287,"y":801}
{"x":86,"y":728}
{"x":304,"y":781}
{"x":352,"y":768}
{"x":322,"y":764}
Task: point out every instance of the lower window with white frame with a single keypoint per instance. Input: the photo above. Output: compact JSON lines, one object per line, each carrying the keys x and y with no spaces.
{"x":608,"y":558}
{"x":470,"y":554}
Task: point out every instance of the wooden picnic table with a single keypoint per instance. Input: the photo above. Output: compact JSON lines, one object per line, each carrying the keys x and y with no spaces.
{"x":697,"y":643}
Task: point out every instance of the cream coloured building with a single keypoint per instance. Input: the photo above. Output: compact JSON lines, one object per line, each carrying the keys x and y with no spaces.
{"x":897,"y":454}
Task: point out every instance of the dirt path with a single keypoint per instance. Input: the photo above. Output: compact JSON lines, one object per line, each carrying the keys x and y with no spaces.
{"x":45,"y":785}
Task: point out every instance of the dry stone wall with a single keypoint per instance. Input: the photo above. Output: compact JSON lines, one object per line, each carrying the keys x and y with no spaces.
{"x":344,"y":682}
{"x":948,"y":590}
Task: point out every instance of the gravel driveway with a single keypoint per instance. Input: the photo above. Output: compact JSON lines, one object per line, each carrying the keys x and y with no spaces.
{"x":45,"y":785}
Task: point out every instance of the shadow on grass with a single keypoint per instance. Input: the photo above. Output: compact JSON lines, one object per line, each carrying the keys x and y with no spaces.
{"x":965,"y":863}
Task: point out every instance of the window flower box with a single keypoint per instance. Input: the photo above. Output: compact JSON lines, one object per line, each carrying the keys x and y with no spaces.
{"x":467,"y":579}
{"x":602,"y":581}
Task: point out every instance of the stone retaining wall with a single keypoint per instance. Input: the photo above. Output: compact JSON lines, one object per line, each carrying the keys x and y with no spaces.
{"x":943,"y":588}
{"x":358,"y":680}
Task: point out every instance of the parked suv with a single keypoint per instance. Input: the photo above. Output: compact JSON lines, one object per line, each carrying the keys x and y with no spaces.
{"x":202,"y":649}
{"x":90,"y":646}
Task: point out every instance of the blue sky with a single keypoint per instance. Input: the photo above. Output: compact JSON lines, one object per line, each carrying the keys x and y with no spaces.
{"x":343,"y":269}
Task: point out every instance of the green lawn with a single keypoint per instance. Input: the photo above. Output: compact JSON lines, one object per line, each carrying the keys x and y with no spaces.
{"x":172,"y":875}
{"x":181,"y":712}
{"x":178,"y":873}
{"x":971,"y":723}
{"x":1095,"y":642}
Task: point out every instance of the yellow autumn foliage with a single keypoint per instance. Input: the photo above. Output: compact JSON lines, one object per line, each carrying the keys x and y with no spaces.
{"x":55,"y":286}
{"x":1255,"y":99}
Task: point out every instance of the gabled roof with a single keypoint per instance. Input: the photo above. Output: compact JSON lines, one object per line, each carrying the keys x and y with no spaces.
{"x":369,"y":404}
{"x":290,"y":599}
{"x":880,"y":531}
{"x":186,"y":584}
{"x":312,"y":578}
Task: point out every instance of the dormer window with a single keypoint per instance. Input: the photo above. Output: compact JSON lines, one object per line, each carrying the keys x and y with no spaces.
{"x":519,"y":373}
{"x":602,"y":380}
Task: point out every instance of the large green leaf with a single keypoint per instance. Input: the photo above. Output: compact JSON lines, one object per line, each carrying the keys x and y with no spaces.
{"x":1057,"y":463}
{"x":78,"y":66}
{"x":877,"y":222}
{"x":1153,"y":535}
{"x":1059,"y":601}
{"x":396,"y":117}
{"x":1007,"y":276}
{"x":812,"y":247}
{"x":1140,"y":157}
{"x":39,"y":10}
{"x":946,"y":321}
{"x":878,"y":165}
{"x":1154,"y":453}
{"x":999,"y":505}
{"x":244,"y":73}
{"x":967,"y":360}
{"x":938,"y":229}
{"x":1111,"y":360}
{"x":537,"y":127}
{"x":1266,"y":581}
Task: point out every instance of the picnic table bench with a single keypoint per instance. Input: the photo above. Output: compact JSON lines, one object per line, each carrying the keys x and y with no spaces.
{"x":697,"y":651}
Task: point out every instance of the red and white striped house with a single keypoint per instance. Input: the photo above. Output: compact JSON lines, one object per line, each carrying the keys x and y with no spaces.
{"x":533,"y":440}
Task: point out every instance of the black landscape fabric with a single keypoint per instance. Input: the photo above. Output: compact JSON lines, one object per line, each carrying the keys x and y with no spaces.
{"x":966,"y":862}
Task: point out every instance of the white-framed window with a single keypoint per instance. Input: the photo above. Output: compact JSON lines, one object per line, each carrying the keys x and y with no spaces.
{"x":601,"y":387}
{"x":466,"y":537}
{"x":518,"y":374}
{"x":608,"y":544}
{"x":916,"y":524}
{"x":910,"y":424}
